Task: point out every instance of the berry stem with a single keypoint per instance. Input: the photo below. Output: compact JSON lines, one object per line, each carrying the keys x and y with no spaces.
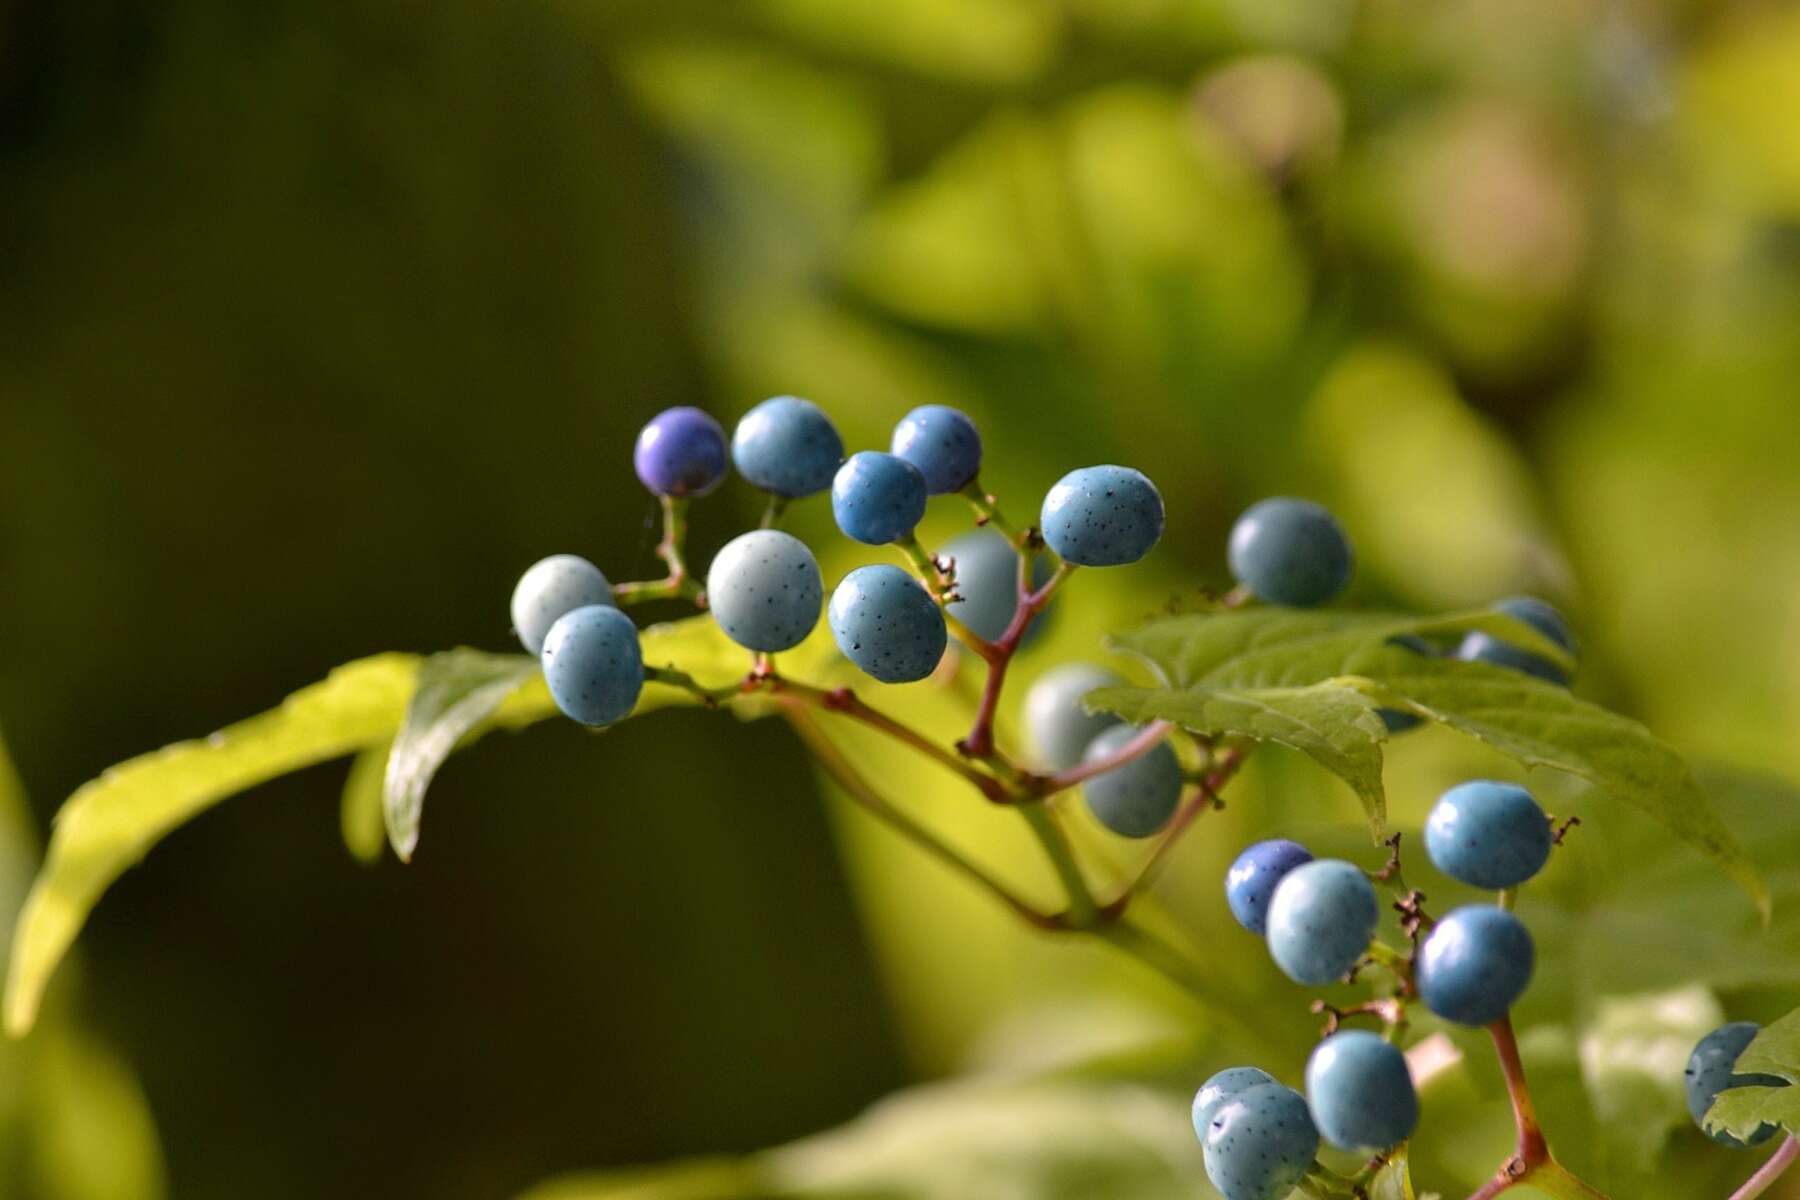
{"x":1531,"y":1161}
{"x":844,"y":773}
{"x":670,"y":677}
{"x":1770,"y":1171}
{"x":987,"y":510}
{"x":676,"y":585}
{"x":1142,"y":743}
{"x":980,"y":741}
{"x":772,"y":514}
{"x":1083,"y":912}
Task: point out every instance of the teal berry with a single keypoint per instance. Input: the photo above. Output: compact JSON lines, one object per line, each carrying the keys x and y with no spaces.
{"x":1103,"y":516}
{"x":987,"y":580}
{"x":1321,"y":920}
{"x":680,"y":453}
{"x":1360,"y":1092}
{"x":1474,"y":965}
{"x":1485,"y":647}
{"x":1488,"y":834}
{"x":1541,"y":616}
{"x":1137,"y":799}
{"x":1058,"y":727}
{"x":593,"y":664}
{"x":551,"y":587}
{"x":764,"y":590}
{"x":1290,"y":552}
{"x":887,"y":624}
{"x":787,"y":446}
{"x":1251,"y":881}
{"x":1222,"y":1087}
{"x":1260,"y":1143}
{"x":943,"y":443}
{"x":877,"y":498}
{"x":1711,"y":1069}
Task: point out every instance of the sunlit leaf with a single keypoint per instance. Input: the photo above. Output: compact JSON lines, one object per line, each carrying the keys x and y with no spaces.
{"x":1394,"y":1180}
{"x":360,"y":818}
{"x":1741,"y":1112}
{"x":1775,"y":1051}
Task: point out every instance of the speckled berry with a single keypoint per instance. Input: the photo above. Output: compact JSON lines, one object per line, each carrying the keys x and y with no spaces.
{"x":943,"y":443}
{"x":593,"y":664}
{"x":787,"y":446}
{"x":877,"y":498}
{"x":1360,"y":1092}
{"x":1260,"y":1143}
{"x":1290,"y":552}
{"x":1474,"y":965}
{"x":764,"y":590}
{"x":1220,"y":1088}
{"x":1250,"y":883}
{"x":1103,"y":516}
{"x":1541,"y":616}
{"x":987,"y":580}
{"x":1058,"y":727}
{"x":1321,"y":920}
{"x":1485,"y":647}
{"x":551,"y":587}
{"x":1711,"y":1069}
{"x":680,"y":453}
{"x":887,"y":624}
{"x":1137,"y":799}
{"x":1488,"y":834}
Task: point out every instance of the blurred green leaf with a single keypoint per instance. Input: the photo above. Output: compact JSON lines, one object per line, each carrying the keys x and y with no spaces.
{"x":1394,"y":1180}
{"x":455,"y":692}
{"x":1742,"y":1111}
{"x":92,"y":1134}
{"x":1775,"y":1050}
{"x":1333,"y":724}
{"x":360,"y":817}
{"x":705,"y":1179}
{"x":1632,"y":1055}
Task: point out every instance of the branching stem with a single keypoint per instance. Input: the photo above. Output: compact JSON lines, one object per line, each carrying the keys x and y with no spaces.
{"x":676,"y":585}
{"x":1770,"y":1171}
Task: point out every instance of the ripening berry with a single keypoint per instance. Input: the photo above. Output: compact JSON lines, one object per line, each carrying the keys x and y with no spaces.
{"x":1321,"y":920}
{"x":1474,"y":965}
{"x":1057,"y":726}
{"x":764,"y":590}
{"x":1290,"y":552}
{"x":1103,"y":516}
{"x":1260,"y":1143}
{"x":593,"y":664}
{"x":1220,"y":1088}
{"x":1488,"y":834}
{"x":787,"y":446}
{"x":1485,"y":647}
{"x":1710,"y":1070}
{"x":551,"y":587}
{"x":680,"y":453}
{"x":943,"y":443}
{"x":987,"y":580}
{"x":1250,"y":883}
{"x":1137,"y":799}
{"x":877,"y":498}
{"x":887,"y":624}
{"x":1360,"y":1092}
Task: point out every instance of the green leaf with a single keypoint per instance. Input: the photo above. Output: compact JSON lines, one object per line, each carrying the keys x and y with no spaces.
{"x":456,"y":692}
{"x":109,"y":823}
{"x":1535,"y":722}
{"x":702,"y":1179}
{"x":1336,"y":725}
{"x":360,"y":818}
{"x":1632,"y":1054}
{"x":1742,"y":1111}
{"x":1775,"y":1051}
{"x":1394,"y":1180}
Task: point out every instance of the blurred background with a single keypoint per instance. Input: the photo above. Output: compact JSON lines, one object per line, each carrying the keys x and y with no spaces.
{"x":318,"y":323}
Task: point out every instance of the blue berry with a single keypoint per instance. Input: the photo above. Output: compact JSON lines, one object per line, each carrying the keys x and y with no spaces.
{"x":1221,"y":1087}
{"x":1474,"y":964}
{"x":1102,"y":516}
{"x":877,"y":498}
{"x":1137,"y":799}
{"x":1710,"y":1071}
{"x":681,"y":452}
{"x":551,"y":587}
{"x":887,"y":624}
{"x":787,"y":446}
{"x":1321,"y":920}
{"x":764,"y":590}
{"x":1397,"y":721}
{"x":1541,"y":616}
{"x":1290,"y":552}
{"x":593,"y":664}
{"x":1488,"y":834}
{"x":1485,"y":647}
{"x":987,"y":579}
{"x":1056,"y":724}
{"x":1360,"y":1092}
{"x":1250,"y":883}
{"x":943,"y":443}
{"x":1260,"y":1143}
